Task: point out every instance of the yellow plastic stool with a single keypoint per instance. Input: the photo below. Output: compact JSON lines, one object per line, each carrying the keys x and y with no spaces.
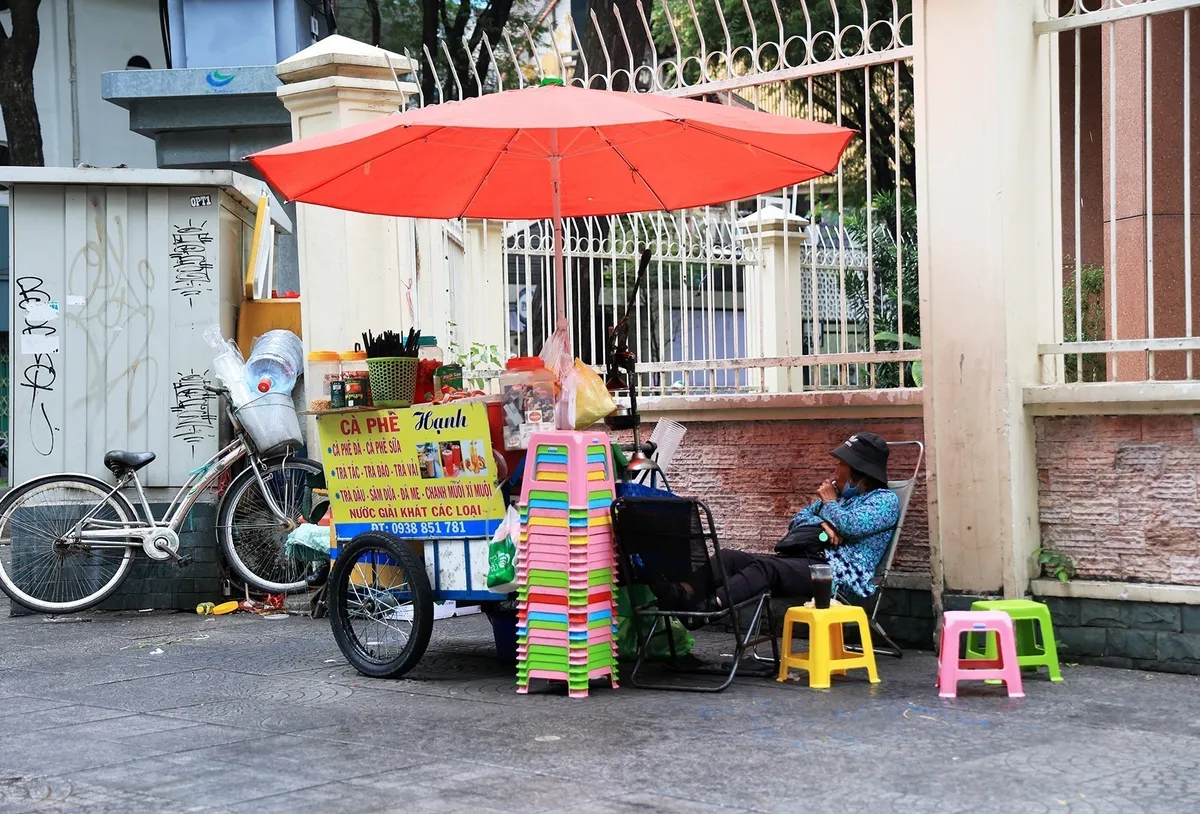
{"x":827,"y":654}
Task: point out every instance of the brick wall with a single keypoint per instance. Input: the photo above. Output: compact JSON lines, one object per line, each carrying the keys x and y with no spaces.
{"x":1119,"y":495}
{"x":755,"y":475}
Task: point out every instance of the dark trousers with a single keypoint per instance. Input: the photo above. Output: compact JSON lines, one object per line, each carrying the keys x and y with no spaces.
{"x":748,"y":575}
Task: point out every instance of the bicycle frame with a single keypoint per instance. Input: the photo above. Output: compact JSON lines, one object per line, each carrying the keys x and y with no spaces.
{"x":177,"y":511}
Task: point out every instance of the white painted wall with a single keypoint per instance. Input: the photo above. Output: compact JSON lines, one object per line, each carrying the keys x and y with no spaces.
{"x":107,"y":34}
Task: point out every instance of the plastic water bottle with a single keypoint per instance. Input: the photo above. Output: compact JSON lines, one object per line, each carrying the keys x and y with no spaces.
{"x":229,"y":367}
{"x":275,"y":362}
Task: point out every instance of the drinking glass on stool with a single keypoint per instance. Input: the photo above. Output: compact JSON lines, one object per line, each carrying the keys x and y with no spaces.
{"x":822,"y":582}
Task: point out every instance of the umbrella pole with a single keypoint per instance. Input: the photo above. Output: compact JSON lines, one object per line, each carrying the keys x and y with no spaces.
{"x":560,"y":272}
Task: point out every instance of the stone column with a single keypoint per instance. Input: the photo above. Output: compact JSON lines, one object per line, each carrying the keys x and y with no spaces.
{"x":774,"y":306}
{"x":352,"y":266}
{"x":989,"y":249}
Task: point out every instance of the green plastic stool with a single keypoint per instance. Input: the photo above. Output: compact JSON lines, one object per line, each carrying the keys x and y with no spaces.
{"x":1035,"y":635}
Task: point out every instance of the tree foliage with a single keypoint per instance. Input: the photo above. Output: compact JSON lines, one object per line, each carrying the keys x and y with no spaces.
{"x":891,"y":294}
{"x":417,"y":27}
{"x":860,"y":103}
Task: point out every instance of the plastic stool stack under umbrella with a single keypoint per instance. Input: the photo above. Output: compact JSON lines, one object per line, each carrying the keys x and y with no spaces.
{"x":566,"y":563}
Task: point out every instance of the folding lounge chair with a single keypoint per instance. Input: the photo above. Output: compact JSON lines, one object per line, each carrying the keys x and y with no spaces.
{"x":668,"y":539}
{"x":903,"y":489}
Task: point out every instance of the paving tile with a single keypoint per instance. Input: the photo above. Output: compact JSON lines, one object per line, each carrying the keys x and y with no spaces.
{"x":241,"y":713}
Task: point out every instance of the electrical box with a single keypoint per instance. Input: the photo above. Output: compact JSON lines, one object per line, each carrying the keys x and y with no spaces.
{"x":115,"y":275}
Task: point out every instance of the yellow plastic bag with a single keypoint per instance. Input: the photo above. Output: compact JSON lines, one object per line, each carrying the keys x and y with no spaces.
{"x":589,"y":398}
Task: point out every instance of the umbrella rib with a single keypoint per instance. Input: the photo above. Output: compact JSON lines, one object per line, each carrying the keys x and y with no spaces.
{"x":716,"y":134}
{"x":632,"y":168}
{"x":503,"y":151}
{"x":361,"y":164}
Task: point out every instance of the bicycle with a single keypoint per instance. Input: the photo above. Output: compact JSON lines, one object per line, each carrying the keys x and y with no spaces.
{"x":67,"y":541}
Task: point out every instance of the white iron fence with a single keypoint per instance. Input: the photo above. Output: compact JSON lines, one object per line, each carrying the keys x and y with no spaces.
{"x":1127,"y":95}
{"x":728,"y":304}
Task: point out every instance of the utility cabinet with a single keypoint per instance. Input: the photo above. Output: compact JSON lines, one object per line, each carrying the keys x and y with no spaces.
{"x":115,"y":276}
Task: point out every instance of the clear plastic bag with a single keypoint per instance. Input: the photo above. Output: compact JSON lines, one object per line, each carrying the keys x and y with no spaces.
{"x":556,"y":353}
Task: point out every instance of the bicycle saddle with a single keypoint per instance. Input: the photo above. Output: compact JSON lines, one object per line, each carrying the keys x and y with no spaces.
{"x":118,"y":461}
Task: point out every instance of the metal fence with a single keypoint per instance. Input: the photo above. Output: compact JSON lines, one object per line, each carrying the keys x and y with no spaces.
{"x":700,"y":327}
{"x":1127,"y":88}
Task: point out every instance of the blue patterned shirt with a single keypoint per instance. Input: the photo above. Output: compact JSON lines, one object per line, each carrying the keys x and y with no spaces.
{"x":865,"y":524}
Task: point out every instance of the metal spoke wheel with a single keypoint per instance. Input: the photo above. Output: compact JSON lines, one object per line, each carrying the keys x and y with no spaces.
{"x":45,"y":565}
{"x":252,"y":538}
{"x":380,"y":605}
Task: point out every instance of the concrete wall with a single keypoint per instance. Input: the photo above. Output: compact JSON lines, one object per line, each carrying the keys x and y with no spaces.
{"x":1119,"y":495}
{"x":755,"y":475}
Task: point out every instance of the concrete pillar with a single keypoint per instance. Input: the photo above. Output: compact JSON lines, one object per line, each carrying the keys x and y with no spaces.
{"x":352,"y":266}
{"x":989,"y":253}
{"x":775,"y":316}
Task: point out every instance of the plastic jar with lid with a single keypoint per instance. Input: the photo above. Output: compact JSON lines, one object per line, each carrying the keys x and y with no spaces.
{"x":429,"y":359}
{"x":324,"y":368}
{"x":356,"y":377}
{"x":527,"y":388}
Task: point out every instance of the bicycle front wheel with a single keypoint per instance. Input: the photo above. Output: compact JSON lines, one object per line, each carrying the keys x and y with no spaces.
{"x":44,"y":565}
{"x":253,"y":539}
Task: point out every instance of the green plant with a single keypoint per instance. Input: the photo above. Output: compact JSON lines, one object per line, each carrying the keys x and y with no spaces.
{"x":1091,"y":307}
{"x":1055,"y":564}
{"x":478,"y":356}
{"x":891,"y":292}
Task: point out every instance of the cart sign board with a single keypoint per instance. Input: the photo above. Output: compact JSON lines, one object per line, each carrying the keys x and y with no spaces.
{"x":424,"y":473}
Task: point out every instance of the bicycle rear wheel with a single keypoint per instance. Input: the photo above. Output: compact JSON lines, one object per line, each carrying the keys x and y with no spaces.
{"x":253,"y":540}
{"x":41,"y":566}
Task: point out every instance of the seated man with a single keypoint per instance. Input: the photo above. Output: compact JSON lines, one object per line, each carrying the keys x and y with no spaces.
{"x":854,"y":508}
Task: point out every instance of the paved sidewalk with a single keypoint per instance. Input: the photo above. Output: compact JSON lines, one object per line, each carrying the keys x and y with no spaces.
{"x":164,"y":712}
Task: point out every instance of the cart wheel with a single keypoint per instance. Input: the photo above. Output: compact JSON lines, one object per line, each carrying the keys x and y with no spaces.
{"x":380,"y":605}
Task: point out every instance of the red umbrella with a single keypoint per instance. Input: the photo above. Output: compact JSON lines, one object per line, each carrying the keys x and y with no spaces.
{"x":553,"y":151}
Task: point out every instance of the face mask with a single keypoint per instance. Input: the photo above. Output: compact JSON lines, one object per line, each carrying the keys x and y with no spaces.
{"x":850,"y":490}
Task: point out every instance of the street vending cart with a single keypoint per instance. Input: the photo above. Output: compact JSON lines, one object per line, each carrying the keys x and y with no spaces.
{"x":414,"y":502}
{"x":547,"y":151}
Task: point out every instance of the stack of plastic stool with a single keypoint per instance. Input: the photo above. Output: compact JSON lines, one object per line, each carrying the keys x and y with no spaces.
{"x":1035,"y":635}
{"x":952,"y":669}
{"x":566,"y":563}
{"x":827,"y":654}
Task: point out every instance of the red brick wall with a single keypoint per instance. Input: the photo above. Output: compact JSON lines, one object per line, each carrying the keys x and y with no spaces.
{"x":755,"y":475}
{"x":1118,"y":494}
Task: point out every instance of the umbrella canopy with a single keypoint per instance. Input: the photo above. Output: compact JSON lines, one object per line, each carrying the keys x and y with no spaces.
{"x":493,"y":156}
{"x":553,"y":151}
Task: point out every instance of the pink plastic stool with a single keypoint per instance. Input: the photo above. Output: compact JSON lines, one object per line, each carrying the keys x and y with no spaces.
{"x":575,"y":446}
{"x":952,"y":669}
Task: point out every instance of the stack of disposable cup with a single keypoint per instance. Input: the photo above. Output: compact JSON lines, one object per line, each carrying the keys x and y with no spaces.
{"x":566,"y":563}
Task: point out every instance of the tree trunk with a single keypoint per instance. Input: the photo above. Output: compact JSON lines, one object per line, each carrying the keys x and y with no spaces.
{"x":376,"y":21}
{"x":18,"y":52}
{"x":431,"y":12}
{"x":622,"y":61}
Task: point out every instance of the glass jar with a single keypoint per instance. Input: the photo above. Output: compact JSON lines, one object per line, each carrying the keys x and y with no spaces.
{"x":356,"y":378}
{"x":429,"y":359}
{"x":324,"y":368}
{"x":527,"y":388}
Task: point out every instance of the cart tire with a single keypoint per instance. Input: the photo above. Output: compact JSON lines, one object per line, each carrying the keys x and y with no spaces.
{"x":354,"y":608}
